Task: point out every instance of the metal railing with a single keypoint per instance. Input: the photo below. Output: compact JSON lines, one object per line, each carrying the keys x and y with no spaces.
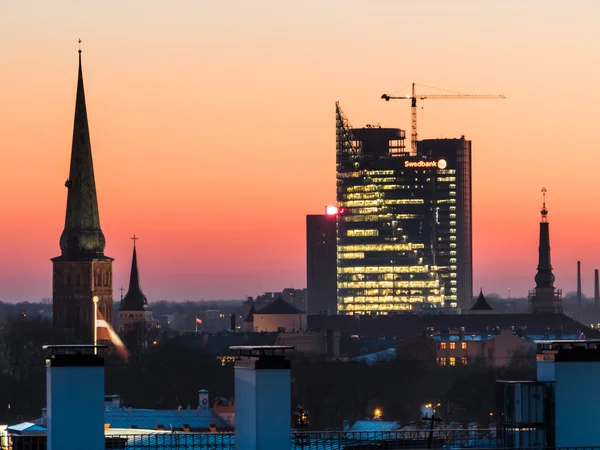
{"x":314,"y":440}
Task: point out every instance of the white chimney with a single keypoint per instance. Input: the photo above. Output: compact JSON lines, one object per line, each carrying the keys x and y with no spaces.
{"x":203,"y":400}
{"x":75,"y":398}
{"x":262,"y":398}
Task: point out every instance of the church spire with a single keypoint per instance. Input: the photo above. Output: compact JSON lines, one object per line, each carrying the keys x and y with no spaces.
{"x":82,"y":237}
{"x":134,"y":300}
{"x":544,"y":277}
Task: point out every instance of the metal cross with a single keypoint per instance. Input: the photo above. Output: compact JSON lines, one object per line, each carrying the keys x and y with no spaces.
{"x":544,"y":190}
{"x":134,"y":238}
{"x":121,"y":292}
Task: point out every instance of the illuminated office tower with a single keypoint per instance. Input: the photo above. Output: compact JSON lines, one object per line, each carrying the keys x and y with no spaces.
{"x":397,"y":226}
{"x":454,"y":227}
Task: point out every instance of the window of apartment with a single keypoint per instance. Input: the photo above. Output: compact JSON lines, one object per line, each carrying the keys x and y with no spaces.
{"x":463,"y":345}
{"x":452,"y":345}
{"x":464,"y":361}
{"x":452,"y":361}
{"x":443,"y":361}
{"x":443,"y":346}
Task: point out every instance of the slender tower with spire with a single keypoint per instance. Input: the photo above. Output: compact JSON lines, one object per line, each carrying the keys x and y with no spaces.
{"x":82,"y":271}
{"x":134,"y":313}
{"x":545,"y":299}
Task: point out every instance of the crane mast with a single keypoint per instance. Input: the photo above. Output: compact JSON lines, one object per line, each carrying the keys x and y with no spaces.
{"x":413,"y":107}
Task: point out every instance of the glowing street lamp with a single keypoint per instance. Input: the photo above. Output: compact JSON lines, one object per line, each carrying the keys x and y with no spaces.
{"x":377,"y":413}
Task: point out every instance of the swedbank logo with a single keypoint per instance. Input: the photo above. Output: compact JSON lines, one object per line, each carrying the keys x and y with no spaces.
{"x":440,"y":164}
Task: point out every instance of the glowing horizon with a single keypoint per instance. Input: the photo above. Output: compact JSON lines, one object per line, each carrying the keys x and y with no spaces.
{"x":213,"y":134}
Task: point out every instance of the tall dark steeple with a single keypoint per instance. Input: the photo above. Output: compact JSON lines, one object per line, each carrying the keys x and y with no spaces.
{"x":545,"y":298}
{"x":134,"y":300}
{"x":544,"y":277}
{"x":82,"y":271}
{"x":82,"y":237}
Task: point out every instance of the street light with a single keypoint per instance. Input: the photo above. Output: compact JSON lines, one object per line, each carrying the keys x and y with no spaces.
{"x":95,"y":322}
{"x":377,"y":413}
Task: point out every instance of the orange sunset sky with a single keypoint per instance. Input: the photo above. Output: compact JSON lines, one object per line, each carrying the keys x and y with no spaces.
{"x":213,"y":130}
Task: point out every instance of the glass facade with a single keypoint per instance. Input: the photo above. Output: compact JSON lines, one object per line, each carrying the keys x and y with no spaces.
{"x":397,"y":226}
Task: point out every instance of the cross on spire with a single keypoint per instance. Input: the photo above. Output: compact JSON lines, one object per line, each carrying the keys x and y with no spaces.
{"x":121,"y":289}
{"x":134,"y":238}
{"x":544,"y":210}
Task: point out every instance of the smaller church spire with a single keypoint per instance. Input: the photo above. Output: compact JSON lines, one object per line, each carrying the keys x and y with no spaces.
{"x":134,"y":300}
{"x":544,"y":276}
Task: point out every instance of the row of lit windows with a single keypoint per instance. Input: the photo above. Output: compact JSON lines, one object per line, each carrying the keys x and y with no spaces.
{"x":374,"y":276}
{"x":405,"y":201}
{"x":389,"y":284}
{"x":384,"y":269}
{"x":446,"y":179}
{"x":365,"y":218}
{"x":380,"y":172}
{"x":391,"y":292}
{"x":351,"y":255}
{"x":363,"y":196}
{"x":452,"y":361}
{"x":385,"y":299}
{"x":444,"y":345}
{"x":382,"y":309}
{"x":378,"y":247}
{"x":362,"y":233}
{"x":369,"y":206}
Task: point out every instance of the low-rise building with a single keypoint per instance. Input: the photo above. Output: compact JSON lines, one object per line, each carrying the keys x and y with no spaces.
{"x":279,"y":316}
{"x":455,"y":347}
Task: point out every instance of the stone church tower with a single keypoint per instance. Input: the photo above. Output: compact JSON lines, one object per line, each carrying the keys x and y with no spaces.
{"x":82,"y":271}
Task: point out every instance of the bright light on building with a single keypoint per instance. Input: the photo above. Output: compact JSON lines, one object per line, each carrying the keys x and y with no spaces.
{"x":331,"y":210}
{"x":377,"y":413}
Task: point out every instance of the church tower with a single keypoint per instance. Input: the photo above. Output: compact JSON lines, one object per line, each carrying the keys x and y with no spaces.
{"x":134,"y":314}
{"x":82,"y":271}
{"x":545,"y":299}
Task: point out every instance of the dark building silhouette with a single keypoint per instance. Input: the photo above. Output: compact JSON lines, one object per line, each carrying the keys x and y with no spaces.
{"x":321,"y":290}
{"x":579,"y":284}
{"x":134,"y":312}
{"x":404,"y":227}
{"x":82,"y":271}
{"x":545,"y":299}
{"x":596,"y":290}
{"x":481,"y":304}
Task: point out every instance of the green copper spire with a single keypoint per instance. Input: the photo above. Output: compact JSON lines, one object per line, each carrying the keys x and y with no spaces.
{"x":82,"y":237}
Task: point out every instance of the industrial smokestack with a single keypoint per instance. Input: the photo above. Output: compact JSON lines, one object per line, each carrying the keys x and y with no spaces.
{"x":579,"y":283}
{"x":596,"y":290}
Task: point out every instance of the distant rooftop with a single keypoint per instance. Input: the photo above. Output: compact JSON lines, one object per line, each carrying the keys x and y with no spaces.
{"x":279,"y":306}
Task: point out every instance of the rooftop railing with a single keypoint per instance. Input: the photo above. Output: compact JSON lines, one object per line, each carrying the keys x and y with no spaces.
{"x":312,"y":440}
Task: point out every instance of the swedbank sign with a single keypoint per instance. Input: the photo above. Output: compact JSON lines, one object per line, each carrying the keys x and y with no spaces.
{"x":440,"y":164}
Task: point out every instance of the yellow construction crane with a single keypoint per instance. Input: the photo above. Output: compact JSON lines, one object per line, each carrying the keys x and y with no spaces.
{"x":413,"y":107}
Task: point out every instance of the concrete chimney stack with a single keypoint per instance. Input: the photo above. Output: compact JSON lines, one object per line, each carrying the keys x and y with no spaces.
{"x":596,"y":290}
{"x":579,"y":284}
{"x":75,"y":398}
{"x":263,"y":407}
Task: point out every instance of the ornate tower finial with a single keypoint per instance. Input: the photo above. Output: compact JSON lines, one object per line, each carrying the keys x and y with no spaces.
{"x":544,"y":210}
{"x":80,"y":46}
